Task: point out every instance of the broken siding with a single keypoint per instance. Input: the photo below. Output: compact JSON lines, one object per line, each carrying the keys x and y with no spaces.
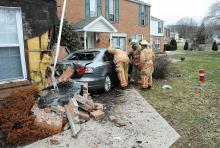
{"x":37,"y":15}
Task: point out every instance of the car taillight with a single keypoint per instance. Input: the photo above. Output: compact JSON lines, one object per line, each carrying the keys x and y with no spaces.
{"x":80,"y":70}
{"x":89,"y":70}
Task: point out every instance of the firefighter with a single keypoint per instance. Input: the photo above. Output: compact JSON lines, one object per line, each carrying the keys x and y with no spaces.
{"x":121,"y":61}
{"x":146,"y":64}
{"x":135,"y":61}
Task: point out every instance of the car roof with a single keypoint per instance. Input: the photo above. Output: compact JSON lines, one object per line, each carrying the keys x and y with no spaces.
{"x":90,"y":50}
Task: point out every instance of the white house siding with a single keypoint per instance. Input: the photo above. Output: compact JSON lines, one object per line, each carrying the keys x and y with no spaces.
{"x":154,"y":28}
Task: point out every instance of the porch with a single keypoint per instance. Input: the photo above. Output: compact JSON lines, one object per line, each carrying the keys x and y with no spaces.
{"x":89,"y":30}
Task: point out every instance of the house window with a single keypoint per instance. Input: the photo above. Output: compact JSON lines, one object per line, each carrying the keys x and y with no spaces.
{"x":143,"y":15}
{"x":120,"y":42}
{"x":138,"y":37}
{"x":93,"y":8}
{"x":12,"y":63}
{"x":156,"y":44}
{"x":112,"y":10}
{"x":160,"y":27}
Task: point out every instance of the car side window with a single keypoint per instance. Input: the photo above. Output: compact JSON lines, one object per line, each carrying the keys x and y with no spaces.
{"x":107,"y":57}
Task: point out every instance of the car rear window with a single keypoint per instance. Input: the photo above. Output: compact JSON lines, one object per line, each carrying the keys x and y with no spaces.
{"x":84,"y":56}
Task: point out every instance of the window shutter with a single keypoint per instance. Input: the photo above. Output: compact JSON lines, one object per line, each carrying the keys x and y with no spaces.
{"x":147,"y":15}
{"x":117,"y":15}
{"x":87,"y":8}
{"x":107,"y":9}
{"x":99,"y":7}
{"x":158,"y":27}
{"x":139,"y":18}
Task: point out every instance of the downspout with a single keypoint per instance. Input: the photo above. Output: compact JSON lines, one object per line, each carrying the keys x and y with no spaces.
{"x":58,"y":45}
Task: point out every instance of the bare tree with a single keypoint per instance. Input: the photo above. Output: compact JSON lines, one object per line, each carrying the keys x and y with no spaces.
{"x":186,"y":27}
{"x":213,"y":16}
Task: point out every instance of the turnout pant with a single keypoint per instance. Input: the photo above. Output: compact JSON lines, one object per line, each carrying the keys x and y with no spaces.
{"x":146,"y":77}
{"x":122,"y":71}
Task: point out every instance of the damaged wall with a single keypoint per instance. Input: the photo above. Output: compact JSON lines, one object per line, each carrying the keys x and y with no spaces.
{"x":38,"y":18}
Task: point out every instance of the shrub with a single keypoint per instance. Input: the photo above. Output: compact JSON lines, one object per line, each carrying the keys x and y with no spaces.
{"x":161,"y":68}
{"x":214,"y":46}
{"x":186,"y":46}
{"x":69,"y":37}
{"x":173,"y":43}
{"x":168,"y":47}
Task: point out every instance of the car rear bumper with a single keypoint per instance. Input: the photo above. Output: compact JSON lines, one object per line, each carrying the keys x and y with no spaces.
{"x":93,"y":83}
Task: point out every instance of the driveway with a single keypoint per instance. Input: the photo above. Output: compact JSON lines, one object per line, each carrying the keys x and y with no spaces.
{"x":141,"y":126}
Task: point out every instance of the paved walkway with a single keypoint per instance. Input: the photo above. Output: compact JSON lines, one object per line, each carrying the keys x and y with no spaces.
{"x":145,"y":128}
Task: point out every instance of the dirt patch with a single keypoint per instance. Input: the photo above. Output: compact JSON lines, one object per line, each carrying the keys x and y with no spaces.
{"x":17,"y":122}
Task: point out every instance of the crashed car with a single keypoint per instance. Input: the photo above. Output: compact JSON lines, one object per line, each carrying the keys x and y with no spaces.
{"x":93,"y":66}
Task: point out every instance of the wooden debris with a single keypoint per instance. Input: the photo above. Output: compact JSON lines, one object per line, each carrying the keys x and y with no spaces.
{"x":85,"y":104}
{"x":84,"y":115}
{"x":66,"y":76}
{"x":72,"y":113}
{"x":97,"y":114}
{"x":85,"y":90}
{"x":99,"y":106}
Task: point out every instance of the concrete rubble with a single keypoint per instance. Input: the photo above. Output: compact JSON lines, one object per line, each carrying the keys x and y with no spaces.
{"x":40,"y":115}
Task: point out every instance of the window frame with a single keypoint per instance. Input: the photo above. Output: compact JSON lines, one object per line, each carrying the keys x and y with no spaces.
{"x":20,"y":44}
{"x":136,"y":35}
{"x":119,"y":35}
{"x":160,"y":27}
{"x":96,"y":7}
{"x":114,"y":11}
{"x":143,"y":16}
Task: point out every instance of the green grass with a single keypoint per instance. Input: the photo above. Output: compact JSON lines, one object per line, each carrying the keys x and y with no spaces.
{"x":192,"y":110}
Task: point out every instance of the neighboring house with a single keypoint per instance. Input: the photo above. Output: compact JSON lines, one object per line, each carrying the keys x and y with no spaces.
{"x":167,"y":37}
{"x":21,"y":20}
{"x":101,"y":23}
{"x":157,"y":33}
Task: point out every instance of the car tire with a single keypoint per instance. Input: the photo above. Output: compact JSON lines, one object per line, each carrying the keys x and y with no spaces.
{"x":107,"y":84}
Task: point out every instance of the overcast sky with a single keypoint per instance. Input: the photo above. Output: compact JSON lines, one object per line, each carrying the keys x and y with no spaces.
{"x":172,"y":10}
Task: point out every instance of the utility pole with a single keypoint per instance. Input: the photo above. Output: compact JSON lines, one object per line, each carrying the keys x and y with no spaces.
{"x":58,"y":44}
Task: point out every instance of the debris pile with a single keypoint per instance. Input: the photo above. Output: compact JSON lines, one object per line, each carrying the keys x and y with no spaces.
{"x":72,"y":101}
{"x":27,"y":115}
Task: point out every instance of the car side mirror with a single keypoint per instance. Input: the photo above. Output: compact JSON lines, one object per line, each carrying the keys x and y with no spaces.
{"x":105,"y":58}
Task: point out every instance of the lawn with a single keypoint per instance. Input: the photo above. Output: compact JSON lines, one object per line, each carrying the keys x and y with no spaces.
{"x":192,"y":110}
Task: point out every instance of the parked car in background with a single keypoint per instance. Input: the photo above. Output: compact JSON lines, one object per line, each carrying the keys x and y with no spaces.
{"x":94,"y":66}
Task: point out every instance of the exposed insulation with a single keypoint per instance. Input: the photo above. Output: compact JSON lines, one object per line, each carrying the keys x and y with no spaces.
{"x":44,"y":41}
{"x":34,"y":44}
{"x":34,"y":61}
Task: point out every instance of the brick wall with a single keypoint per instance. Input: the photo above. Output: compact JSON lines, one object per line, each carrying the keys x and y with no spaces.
{"x":75,"y":10}
{"x":128,"y":23}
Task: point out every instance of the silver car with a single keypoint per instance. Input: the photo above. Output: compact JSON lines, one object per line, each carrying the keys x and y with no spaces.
{"x":94,"y":66}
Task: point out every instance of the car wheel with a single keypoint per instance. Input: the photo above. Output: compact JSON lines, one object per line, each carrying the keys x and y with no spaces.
{"x":107,"y":84}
